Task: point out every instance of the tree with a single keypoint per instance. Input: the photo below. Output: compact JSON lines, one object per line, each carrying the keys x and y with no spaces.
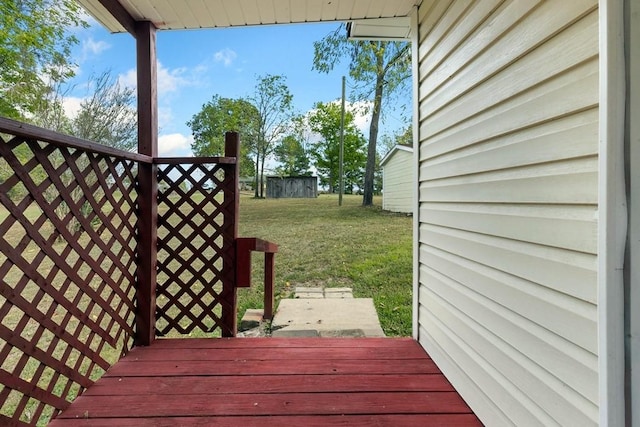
{"x":108,"y":114}
{"x":34,"y":46}
{"x":379,"y":67}
{"x":405,"y":137}
{"x":292,"y":156}
{"x":325,"y":120}
{"x":222,"y":115}
{"x":274,"y":103}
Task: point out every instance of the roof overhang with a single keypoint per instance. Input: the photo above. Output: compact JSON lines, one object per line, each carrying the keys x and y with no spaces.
{"x":119,"y":15}
{"x":388,"y":29}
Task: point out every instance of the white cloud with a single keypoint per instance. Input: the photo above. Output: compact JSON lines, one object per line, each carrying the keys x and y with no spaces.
{"x":129,"y":79}
{"x":71,"y":105}
{"x":361,"y":115}
{"x":226,"y":56}
{"x":174,"y":144}
{"x":169,"y":80}
{"x":91,"y":47}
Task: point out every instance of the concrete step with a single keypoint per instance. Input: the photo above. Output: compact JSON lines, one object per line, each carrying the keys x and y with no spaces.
{"x":329,"y":312}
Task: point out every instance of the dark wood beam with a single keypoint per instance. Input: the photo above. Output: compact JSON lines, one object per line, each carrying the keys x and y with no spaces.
{"x":147,"y":88}
{"x":148,"y":184}
{"x":115,"y":8}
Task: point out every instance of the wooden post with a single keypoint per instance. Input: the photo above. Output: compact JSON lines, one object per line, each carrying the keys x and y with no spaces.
{"x":148,"y":190}
{"x":231,"y":199}
{"x":269,"y":268}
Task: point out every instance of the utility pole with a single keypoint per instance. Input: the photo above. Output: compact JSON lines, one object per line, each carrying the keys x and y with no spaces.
{"x":341,"y":159}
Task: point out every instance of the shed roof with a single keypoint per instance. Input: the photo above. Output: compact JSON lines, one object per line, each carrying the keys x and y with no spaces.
{"x":192,"y":14}
{"x":394,"y":150}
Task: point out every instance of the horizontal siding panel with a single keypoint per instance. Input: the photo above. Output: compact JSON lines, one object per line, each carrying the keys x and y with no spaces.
{"x":515,"y":31}
{"x":400,"y":193}
{"x":398,"y":182}
{"x":570,"y":182}
{"x":508,"y":200}
{"x":533,"y":396}
{"x":570,"y":92}
{"x":569,"y":137}
{"x":463,"y":54}
{"x":571,"y":319}
{"x":467,"y":370}
{"x":574,"y":229}
{"x":475,"y":13}
{"x":429,"y":15}
{"x":443,"y":29}
{"x":565,"y":366}
{"x":483,"y":376}
{"x":567,"y":272}
{"x":576,"y":45}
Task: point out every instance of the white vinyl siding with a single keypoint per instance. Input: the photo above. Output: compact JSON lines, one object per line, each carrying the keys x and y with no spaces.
{"x":508,"y":194}
{"x":398,"y":181}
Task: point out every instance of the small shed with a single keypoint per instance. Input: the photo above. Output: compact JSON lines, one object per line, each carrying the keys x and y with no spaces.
{"x":292,"y":187}
{"x":398,"y":179}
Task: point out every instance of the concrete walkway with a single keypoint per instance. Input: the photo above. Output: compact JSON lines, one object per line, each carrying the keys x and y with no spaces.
{"x":328,"y":312}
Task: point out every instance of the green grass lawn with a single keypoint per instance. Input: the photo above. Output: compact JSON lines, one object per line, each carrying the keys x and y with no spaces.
{"x":322,"y":244}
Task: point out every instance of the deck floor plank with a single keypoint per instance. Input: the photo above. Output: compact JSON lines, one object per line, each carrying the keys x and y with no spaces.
{"x":268,"y":404}
{"x":274,"y":353}
{"x":114,"y":386}
{"x":394,"y":420}
{"x":272,"y":382}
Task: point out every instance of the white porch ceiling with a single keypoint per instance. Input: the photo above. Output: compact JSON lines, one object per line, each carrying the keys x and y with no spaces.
{"x":192,"y":14}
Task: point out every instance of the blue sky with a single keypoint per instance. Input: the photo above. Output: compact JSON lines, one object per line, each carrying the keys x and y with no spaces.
{"x":197,"y":64}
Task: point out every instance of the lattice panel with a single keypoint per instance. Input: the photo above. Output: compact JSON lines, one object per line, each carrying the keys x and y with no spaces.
{"x":67,"y":273}
{"x":196,"y":251}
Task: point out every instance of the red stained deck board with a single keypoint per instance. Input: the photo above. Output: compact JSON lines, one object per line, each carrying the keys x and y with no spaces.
{"x":272,"y":382}
{"x":177,"y":386}
{"x":269,"y":353}
{"x":287,"y":343}
{"x":271,"y":367}
{"x":268,"y":404}
{"x":423,"y":420}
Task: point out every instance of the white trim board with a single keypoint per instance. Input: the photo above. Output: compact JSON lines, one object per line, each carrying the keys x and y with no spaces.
{"x":632,"y":261}
{"x":612,"y":215}
{"x":415,"y":62}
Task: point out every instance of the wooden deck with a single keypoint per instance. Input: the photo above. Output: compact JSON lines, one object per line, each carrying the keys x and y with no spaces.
{"x":272,"y":382}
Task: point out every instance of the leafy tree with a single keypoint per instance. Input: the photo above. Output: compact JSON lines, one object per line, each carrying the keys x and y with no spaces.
{"x":274,"y":103}
{"x":403,"y":137}
{"x":108,"y":114}
{"x":222,"y":115}
{"x":293,"y":157}
{"x":380,"y":69}
{"x":386,"y":144}
{"x":406,"y":137}
{"x":325,"y":120}
{"x":34,"y":46}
